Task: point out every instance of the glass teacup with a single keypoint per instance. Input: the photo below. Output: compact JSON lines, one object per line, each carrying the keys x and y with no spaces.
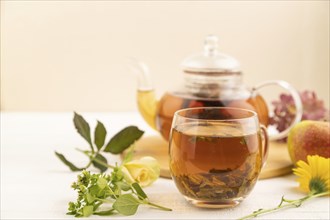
{"x":216,"y":154}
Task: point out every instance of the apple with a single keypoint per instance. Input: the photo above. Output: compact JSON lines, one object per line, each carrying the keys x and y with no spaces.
{"x":309,"y":138}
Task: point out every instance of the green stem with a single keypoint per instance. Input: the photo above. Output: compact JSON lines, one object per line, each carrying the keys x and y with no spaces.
{"x":92,"y":148}
{"x":88,"y":165}
{"x":158,"y":206}
{"x":148,"y":203}
{"x":86,"y":152}
{"x":104,"y":200}
{"x":101,"y":162}
{"x":295,"y":203}
{"x":91,"y":155}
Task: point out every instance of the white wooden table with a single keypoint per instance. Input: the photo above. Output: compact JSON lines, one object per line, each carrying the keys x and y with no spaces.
{"x":36,"y":185}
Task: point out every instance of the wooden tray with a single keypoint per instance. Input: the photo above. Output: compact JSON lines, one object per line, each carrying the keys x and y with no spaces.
{"x":278,"y":162}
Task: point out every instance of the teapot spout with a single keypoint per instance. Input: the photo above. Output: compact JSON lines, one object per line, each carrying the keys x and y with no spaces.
{"x":146,"y":98}
{"x":141,"y":70}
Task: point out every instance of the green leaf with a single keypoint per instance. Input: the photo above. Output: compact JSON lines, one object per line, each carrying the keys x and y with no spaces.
{"x":87,"y":210}
{"x":123,"y":139}
{"x":99,"y":135}
{"x":126,"y":204}
{"x":100,"y":166}
{"x":94,"y":190}
{"x":103,"y":213}
{"x":68,"y":163}
{"x":139,"y":190}
{"x":123,"y":185}
{"x":83,"y":128}
{"x":102,"y":183}
{"x":89,"y":198}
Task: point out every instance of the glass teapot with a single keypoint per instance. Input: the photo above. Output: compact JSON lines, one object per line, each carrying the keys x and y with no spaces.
{"x":211,"y":78}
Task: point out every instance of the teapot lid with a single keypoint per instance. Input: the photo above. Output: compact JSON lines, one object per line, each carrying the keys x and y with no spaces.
{"x":210,"y":60}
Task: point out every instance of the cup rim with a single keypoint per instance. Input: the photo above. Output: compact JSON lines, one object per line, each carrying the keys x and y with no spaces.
{"x":253,"y":113}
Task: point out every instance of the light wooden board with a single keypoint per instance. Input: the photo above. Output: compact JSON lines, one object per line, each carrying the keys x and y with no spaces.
{"x":278,"y":162}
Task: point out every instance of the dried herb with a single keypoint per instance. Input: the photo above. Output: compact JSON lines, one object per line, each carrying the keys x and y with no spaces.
{"x":285,"y":110}
{"x":220,"y":184}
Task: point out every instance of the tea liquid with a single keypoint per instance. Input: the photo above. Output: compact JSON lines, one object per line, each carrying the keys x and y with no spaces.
{"x":214,"y":161}
{"x":172,"y":102}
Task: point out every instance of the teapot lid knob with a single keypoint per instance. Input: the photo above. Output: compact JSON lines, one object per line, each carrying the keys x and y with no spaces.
{"x":210,"y":60}
{"x":211,"y":45}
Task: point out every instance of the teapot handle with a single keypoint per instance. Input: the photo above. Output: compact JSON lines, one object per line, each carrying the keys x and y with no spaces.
{"x":296,"y":99}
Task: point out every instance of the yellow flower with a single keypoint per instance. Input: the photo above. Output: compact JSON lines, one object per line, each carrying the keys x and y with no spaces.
{"x":144,"y":171}
{"x":314,"y":176}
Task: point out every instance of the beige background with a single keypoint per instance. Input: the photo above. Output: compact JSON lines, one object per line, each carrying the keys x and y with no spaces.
{"x":72,"y":55}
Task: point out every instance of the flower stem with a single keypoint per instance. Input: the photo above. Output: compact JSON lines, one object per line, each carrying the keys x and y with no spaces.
{"x":158,"y":206}
{"x":295,"y":203}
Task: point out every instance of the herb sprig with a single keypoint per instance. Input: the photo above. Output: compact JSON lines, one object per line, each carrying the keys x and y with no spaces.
{"x":107,"y":194}
{"x":101,"y":193}
{"x":117,"y":144}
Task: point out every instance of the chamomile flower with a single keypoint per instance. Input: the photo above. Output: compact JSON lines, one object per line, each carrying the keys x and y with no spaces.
{"x":313,"y":176}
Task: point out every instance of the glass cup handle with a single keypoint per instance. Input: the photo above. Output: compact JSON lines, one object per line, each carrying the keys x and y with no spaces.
{"x":296,"y":100}
{"x":266,"y":144}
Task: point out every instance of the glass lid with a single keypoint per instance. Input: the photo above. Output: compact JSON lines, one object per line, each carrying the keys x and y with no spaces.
{"x":210,"y":60}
